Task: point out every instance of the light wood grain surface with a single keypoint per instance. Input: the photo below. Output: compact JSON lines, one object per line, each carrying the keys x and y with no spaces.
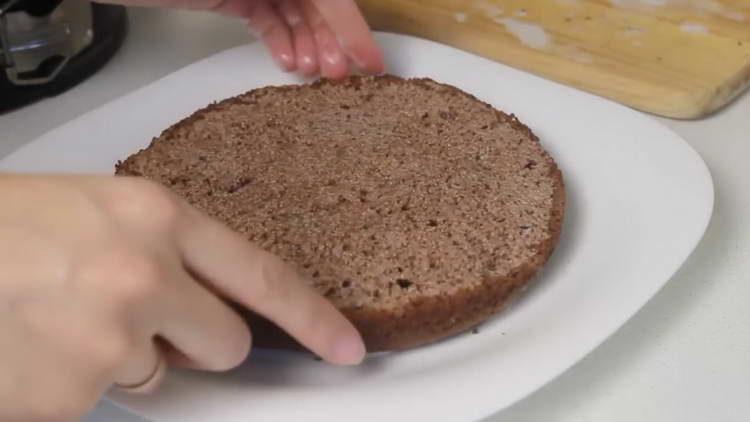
{"x":675,"y":58}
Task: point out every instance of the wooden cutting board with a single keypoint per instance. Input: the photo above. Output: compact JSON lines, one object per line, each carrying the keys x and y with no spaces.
{"x":675,"y":58}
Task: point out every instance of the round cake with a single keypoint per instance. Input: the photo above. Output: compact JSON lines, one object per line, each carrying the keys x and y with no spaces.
{"x":416,"y":209}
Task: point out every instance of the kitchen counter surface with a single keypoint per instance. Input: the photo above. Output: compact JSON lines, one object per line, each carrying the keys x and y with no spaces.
{"x":685,"y":356}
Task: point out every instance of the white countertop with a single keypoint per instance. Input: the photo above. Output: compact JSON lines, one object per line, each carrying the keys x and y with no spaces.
{"x":685,"y":356}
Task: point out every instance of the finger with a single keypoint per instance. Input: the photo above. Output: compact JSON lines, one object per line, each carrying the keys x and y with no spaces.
{"x":266,"y":24}
{"x":305,"y":51}
{"x":265,"y":284}
{"x":333,"y":62}
{"x":144,"y":371}
{"x":351,"y":31}
{"x":201,"y":326}
{"x":175,"y":358}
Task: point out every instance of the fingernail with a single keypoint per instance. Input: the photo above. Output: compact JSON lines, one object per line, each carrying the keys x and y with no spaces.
{"x":358,"y":60}
{"x":285,"y":61}
{"x":293,"y":19}
{"x":349,"y":350}
{"x":307,"y":65}
{"x":332,"y":57}
{"x":306,"y":60}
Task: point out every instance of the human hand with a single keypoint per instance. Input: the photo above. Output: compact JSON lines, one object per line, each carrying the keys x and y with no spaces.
{"x":104,"y":279}
{"x":312,"y":36}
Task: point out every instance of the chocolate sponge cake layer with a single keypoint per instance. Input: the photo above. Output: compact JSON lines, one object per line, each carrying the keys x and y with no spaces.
{"x":416,"y":209}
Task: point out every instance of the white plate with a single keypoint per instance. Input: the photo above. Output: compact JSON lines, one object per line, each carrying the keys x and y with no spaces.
{"x":639,"y":201}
